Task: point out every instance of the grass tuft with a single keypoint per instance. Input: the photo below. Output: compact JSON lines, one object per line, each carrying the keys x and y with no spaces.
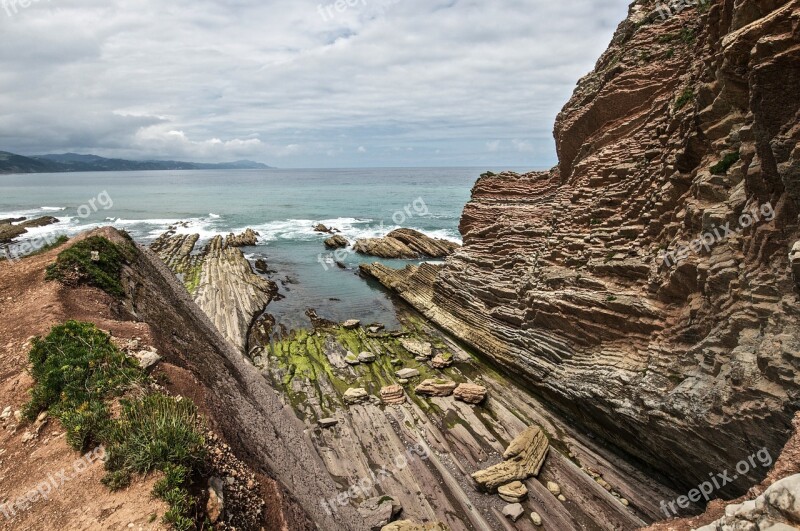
{"x":77,"y":367}
{"x":75,"y":266}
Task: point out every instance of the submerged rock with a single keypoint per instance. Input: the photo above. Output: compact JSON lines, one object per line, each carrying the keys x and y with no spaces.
{"x":523,"y":459}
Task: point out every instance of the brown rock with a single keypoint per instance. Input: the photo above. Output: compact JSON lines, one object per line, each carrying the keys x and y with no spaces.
{"x":523,"y":459}
{"x":470,"y":393}
{"x":393,"y":395}
{"x":433,"y":387}
{"x":336,"y":242}
{"x":405,"y":243}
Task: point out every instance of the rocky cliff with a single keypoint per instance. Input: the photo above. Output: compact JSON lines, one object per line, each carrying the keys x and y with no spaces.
{"x":644,"y":286}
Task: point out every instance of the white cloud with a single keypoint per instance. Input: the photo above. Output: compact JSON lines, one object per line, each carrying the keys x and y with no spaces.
{"x":271,"y":79}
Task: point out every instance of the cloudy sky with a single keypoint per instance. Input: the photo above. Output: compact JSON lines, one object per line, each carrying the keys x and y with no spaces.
{"x":297,"y":83}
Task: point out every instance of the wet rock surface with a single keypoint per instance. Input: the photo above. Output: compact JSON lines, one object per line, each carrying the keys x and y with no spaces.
{"x":405,"y":243}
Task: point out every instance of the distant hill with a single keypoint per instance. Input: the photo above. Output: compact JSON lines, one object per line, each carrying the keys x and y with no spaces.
{"x":74,"y":162}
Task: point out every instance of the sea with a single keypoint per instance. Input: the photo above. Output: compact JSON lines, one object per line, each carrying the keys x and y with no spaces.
{"x":283,"y":206}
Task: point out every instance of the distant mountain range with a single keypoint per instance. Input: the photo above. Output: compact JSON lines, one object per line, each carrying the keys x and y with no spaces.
{"x":73,"y":162}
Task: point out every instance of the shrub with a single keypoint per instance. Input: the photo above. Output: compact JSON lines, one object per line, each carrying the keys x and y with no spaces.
{"x":76,"y":367}
{"x":686,"y":96}
{"x":725,"y":164}
{"x":75,"y":266}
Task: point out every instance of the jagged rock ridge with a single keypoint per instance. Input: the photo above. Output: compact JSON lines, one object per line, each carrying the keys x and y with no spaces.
{"x":683,"y":359}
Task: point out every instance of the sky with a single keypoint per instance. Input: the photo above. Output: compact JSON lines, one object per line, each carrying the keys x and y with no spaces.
{"x":297,"y":83}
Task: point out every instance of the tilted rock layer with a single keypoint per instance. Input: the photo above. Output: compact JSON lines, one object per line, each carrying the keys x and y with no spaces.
{"x":688,"y":360}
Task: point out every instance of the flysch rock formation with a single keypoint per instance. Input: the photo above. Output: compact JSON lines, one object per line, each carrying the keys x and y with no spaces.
{"x":381,"y":433}
{"x":14,"y":227}
{"x":220,"y":279}
{"x":405,"y":243}
{"x":577,"y":278}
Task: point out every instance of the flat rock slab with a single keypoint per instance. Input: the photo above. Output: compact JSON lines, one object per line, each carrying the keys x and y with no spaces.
{"x":355,"y":395}
{"x":407,"y":374}
{"x":393,"y":395}
{"x":513,"y":511}
{"x":435,"y":388}
{"x":416,"y":347}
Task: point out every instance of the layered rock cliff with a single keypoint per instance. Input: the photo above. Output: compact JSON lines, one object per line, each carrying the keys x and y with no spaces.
{"x":585,"y":279}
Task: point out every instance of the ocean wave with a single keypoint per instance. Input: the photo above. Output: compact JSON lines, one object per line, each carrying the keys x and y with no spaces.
{"x":52,"y":209}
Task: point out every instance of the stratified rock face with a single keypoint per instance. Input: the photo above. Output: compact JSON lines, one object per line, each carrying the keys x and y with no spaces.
{"x":687,"y":359}
{"x":220,"y":280}
{"x":779,"y":506}
{"x":405,"y":243}
{"x":522,"y":459}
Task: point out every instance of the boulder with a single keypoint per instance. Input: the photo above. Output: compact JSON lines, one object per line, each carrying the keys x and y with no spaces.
{"x":248,"y":238}
{"x":355,"y":395}
{"x":322,"y":228}
{"x":336,"y":242}
{"x":393,"y":395}
{"x":470,"y":393}
{"x":513,"y":511}
{"x":367,"y":357}
{"x":553,"y":487}
{"x":523,"y":459}
{"x":146,"y":358}
{"x":407,"y":374}
{"x":442,"y":361}
{"x":536,"y":519}
{"x":352,"y":359}
{"x":379,"y":511}
{"x":216,"y":499}
{"x":513,"y":492}
{"x":351,"y":324}
{"x":416,"y":347}
{"x":433,"y":387}
{"x":327,"y":423}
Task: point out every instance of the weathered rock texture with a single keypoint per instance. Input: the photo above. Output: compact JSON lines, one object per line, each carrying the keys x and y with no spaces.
{"x":405,"y":243}
{"x":522,"y":459}
{"x":562,"y":275}
{"x":220,"y":279}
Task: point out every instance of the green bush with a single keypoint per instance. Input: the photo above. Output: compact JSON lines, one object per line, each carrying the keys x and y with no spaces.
{"x":75,"y":266}
{"x":686,"y":96}
{"x":76,"y":367}
{"x":725,"y":164}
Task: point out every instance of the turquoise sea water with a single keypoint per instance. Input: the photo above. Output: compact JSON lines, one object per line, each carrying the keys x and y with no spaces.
{"x":282,"y":205}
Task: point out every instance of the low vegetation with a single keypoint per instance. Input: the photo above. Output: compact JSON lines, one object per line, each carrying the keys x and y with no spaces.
{"x":722,"y":167}
{"x":78,"y":374}
{"x":686,"y":96}
{"x":76,"y":265}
